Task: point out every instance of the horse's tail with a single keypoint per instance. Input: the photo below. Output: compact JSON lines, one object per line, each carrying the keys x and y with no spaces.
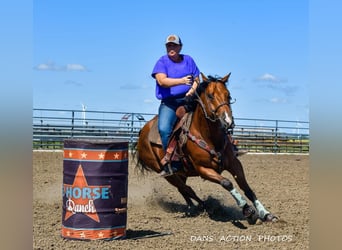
{"x":139,"y":164}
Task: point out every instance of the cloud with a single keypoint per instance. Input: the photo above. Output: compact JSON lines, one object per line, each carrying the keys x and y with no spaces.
{"x":75,"y":67}
{"x":275,"y":83}
{"x":272,"y":100}
{"x":73,"y":83}
{"x":51,"y":66}
{"x":288,"y":90}
{"x":269,"y":78}
{"x":278,"y":100}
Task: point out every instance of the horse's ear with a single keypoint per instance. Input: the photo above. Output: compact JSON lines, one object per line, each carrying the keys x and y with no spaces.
{"x":225,"y":79}
{"x":204,"y":78}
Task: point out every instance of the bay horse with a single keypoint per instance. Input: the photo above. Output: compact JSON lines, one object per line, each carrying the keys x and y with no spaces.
{"x":206,"y":150}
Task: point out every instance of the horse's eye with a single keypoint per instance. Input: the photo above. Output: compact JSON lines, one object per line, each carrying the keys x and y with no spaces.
{"x":210,"y":96}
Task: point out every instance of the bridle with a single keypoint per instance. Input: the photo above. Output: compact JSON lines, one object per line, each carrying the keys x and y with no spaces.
{"x":213,"y":117}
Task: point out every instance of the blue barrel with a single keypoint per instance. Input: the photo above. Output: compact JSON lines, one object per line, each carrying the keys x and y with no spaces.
{"x":95,"y":187}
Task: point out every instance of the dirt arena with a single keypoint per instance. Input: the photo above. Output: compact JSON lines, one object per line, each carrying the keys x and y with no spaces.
{"x":155,"y":218}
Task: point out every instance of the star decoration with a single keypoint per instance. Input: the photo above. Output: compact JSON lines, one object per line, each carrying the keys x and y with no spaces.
{"x":116,"y":156}
{"x":101,"y":156}
{"x":72,"y":203}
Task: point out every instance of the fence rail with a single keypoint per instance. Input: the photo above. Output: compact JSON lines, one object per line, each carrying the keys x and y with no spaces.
{"x":52,"y":126}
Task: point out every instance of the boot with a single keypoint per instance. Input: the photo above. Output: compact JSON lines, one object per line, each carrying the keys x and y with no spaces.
{"x":170,"y":169}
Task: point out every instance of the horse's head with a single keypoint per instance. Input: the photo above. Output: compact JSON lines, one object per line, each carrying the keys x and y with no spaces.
{"x":215,"y":100}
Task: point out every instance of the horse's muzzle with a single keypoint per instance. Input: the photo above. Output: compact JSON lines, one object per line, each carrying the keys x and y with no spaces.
{"x":227,"y":122}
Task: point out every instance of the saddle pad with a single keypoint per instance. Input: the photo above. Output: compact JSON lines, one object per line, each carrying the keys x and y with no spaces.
{"x":154,"y":136}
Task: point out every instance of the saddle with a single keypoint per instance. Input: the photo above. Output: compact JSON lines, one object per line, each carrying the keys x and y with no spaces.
{"x":177,"y":138}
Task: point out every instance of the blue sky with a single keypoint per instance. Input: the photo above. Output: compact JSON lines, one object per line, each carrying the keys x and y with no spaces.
{"x":101,"y":53}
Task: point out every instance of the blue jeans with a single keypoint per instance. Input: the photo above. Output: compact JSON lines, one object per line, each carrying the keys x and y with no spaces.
{"x":167,"y":118}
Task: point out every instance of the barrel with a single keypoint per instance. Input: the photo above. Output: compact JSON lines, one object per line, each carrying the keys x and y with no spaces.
{"x":95,"y":186}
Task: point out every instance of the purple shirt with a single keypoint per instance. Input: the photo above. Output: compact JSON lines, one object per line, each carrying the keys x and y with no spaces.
{"x":174,"y":70}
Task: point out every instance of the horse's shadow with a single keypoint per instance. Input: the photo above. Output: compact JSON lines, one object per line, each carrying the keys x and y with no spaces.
{"x":213,"y":208}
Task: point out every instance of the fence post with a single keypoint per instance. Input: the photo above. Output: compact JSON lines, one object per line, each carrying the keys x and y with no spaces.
{"x":132,"y":125}
{"x":72,"y":123}
{"x":276,"y":138}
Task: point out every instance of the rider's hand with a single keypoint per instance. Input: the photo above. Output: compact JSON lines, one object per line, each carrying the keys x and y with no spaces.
{"x":188,"y":80}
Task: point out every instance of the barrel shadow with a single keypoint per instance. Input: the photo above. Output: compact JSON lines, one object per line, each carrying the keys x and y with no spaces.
{"x":143,"y":234}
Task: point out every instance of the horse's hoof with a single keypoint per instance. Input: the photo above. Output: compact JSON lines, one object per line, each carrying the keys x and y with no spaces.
{"x":250,"y":214}
{"x":248,"y":211}
{"x":270,"y":218}
{"x":201,"y":208}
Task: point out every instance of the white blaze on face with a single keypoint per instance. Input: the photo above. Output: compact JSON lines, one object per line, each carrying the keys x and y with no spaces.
{"x":227,"y":119}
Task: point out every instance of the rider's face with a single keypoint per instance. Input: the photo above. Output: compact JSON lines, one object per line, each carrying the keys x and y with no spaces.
{"x":173,"y":49}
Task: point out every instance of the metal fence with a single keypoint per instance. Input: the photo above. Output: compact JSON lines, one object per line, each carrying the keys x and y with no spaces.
{"x":52,"y":126}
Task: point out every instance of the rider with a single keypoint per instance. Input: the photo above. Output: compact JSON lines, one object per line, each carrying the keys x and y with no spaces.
{"x":177,"y":77}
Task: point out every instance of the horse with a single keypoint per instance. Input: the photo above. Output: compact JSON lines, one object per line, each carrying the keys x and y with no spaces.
{"x":205,"y":151}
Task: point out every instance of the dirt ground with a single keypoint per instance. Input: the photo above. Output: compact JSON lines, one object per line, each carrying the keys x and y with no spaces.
{"x":155,"y":217}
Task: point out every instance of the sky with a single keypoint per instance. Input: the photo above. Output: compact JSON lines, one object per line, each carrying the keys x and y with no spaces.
{"x":101,"y":53}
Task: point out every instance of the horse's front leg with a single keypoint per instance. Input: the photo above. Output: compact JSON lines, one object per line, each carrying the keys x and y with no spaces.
{"x":237,"y":171}
{"x":213,"y":176}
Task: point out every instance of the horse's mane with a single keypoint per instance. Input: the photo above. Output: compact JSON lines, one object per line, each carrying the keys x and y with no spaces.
{"x":214,"y":78}
{"x":203,"y":85}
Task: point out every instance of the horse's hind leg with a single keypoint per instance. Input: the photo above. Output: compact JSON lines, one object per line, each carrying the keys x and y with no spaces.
{"x":240,"y":178}
{"x":187,"y":192}
{"x":192,"y":210}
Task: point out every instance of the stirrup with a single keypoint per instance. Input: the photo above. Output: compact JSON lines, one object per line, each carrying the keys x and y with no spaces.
{"x":163,"y":173}
{"x":167,"y":171}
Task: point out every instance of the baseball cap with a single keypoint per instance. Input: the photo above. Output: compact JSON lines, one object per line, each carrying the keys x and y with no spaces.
{"x":173,"y":39}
